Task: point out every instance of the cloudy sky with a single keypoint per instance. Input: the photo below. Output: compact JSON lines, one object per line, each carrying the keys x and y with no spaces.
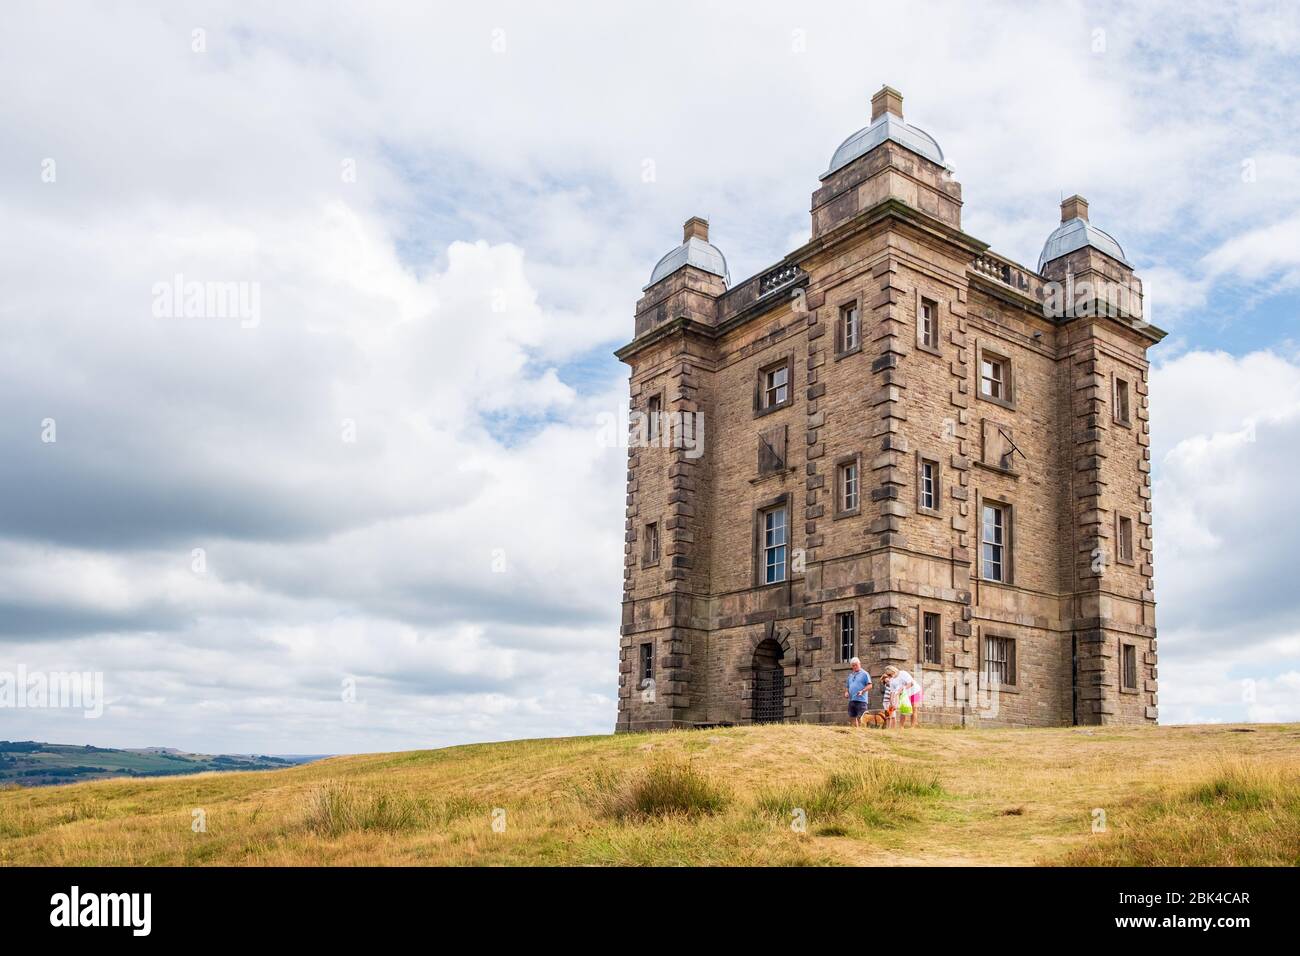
{"x":387,"y":473}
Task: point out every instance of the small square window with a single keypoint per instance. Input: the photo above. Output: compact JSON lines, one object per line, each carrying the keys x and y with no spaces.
{"x":776,"y":386}
{"x":847,"y":485}
{"x":773,"y":386}
{"x":993,"y":378}
{"x":928,"y":323}
{"x":647,"y":662}
{"x":994,"y":535}
{"x":1129,"y":666}
{"x":849,"y":332}
{"x":999,"y":661}
{"x":1122,"y":402}
{"x":848,"y":628}
{"x":650,"y":547}
{"x":930,"y":651}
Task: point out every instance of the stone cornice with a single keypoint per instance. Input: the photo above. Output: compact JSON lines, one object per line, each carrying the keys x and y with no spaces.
{"x":681,"y":324}
{"x":824,"y":245}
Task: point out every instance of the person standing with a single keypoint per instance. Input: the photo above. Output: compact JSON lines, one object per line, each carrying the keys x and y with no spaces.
{"x":905,"y":691}
{"x":856,"y":690}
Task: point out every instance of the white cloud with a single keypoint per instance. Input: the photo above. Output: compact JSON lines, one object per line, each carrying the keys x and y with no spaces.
{"x":1269,"y":250}
{"x":324,"y":558}
{"x":1226,"y":535}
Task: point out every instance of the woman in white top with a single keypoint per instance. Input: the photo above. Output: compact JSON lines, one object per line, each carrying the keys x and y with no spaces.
{"x":902,"y":684}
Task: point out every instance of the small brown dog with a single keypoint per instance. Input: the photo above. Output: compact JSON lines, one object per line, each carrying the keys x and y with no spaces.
{"x":877,"y":718}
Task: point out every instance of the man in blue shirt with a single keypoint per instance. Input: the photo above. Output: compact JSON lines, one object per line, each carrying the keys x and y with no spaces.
{"x":859,"y":685}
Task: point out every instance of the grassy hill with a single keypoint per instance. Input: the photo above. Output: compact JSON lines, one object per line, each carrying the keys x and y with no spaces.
{"x":1170,"y":795}
{"x":31,"y":763}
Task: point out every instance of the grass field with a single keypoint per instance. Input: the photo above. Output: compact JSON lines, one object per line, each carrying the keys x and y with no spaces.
{"x":785,"y":794}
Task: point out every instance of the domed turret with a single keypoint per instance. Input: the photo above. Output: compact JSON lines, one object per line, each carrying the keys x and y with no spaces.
{"x":695,"y":250}
{"x":1075,"y":232}
{"x":886,"y":124}
{"x":887,"y":161}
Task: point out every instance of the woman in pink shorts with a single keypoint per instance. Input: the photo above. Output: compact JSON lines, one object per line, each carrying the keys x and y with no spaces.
{"x":906,"y":690}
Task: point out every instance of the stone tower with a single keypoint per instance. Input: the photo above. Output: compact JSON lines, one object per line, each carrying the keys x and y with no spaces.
{"x":893,"y":444}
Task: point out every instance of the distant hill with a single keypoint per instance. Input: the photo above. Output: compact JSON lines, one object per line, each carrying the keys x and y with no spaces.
{"x":779,"y":794}
{"x":31,"y":763}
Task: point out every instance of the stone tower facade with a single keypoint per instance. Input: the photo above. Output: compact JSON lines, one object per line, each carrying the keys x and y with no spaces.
{"x":893,"y":444}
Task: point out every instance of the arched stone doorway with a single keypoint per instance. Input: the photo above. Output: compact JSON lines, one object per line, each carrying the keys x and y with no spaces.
{"x":769,"y":682}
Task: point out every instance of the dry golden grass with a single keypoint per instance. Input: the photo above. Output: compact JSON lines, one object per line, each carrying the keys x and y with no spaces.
{"x":1240,"y":811}
{"x":668,"y":786}
{"x":791,"y":795}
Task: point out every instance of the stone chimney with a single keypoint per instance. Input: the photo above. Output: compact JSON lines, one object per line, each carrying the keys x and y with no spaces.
{"x":697,"y":228}
{"x":1076,"y":207}
{"x":888,"y":100}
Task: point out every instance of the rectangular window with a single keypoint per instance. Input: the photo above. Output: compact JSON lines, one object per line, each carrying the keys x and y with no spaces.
{"x":993,"y":536}
{"x":774,"y":545}
{"x":650,"y":549}
{"x":775,"y":386}
{"x":999,"y":661}
{"x":1129,"y":666}
{"x":993,"y":378}
{"x":647,"y":662}
{"x":930,"y":652}
{"x":929,"y":485}
{"x":928,"y":320}
{"x":848,"y":483}
{"x":1124,"y":539}
{"x":849,"y":332}
{"x":848,"y":636}
{"x":1121,"y":402}
{"x":654,"y":412}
